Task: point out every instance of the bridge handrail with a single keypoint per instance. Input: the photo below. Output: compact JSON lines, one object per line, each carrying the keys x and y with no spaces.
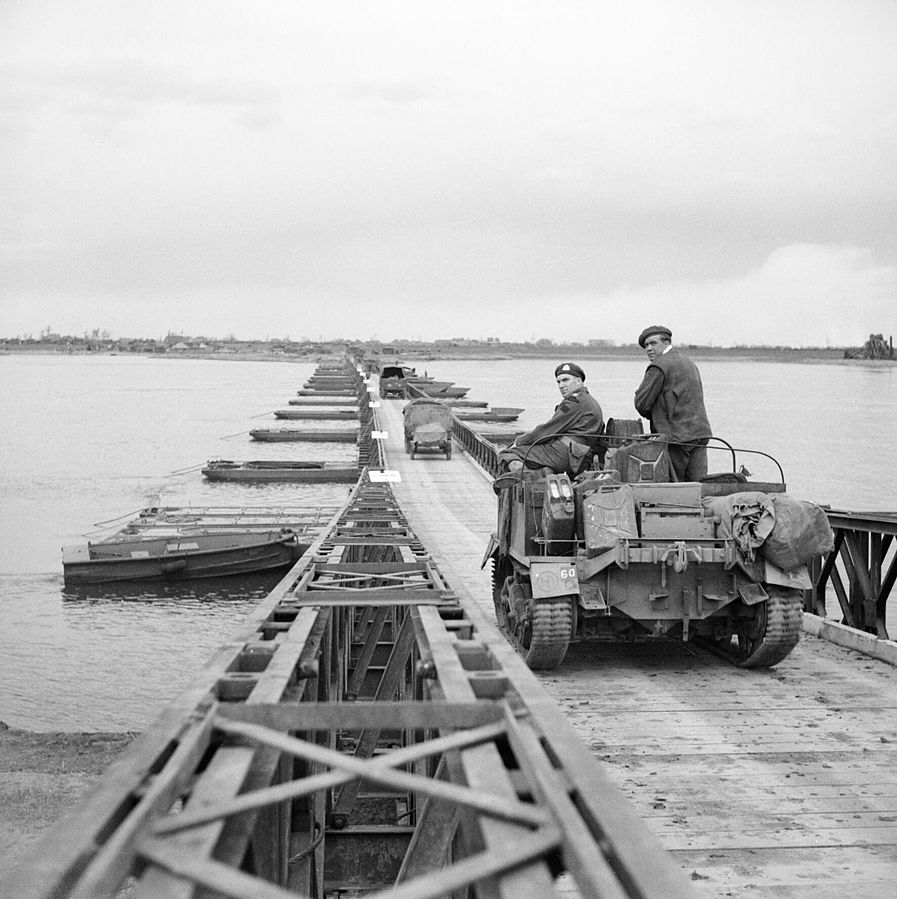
{"x":861,"y":568}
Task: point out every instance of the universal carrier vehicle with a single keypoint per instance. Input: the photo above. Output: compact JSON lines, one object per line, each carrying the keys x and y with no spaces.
{"x":623,"y":553}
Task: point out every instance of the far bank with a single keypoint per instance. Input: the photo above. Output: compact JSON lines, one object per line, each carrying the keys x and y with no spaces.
{"x":414,"y":355}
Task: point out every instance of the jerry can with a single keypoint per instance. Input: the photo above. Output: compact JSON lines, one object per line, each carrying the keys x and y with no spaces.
{"x":608,"y":515}
{"x":558,"y":514}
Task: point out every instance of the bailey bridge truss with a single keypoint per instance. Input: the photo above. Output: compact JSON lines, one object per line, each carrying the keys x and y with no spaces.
{"x":366,"y":730}
{"x":861,"y":568}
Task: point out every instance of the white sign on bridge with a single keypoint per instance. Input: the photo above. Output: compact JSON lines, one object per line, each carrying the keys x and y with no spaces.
{"x":385,"y":477}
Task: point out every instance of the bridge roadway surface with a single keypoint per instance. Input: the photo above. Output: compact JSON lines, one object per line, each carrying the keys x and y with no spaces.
{"x":778,"y":783}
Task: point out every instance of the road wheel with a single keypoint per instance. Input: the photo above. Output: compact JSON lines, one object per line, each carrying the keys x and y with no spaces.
{"x":539,"y":631}
{"x":542,"y":639}
{"x":773,"y":632}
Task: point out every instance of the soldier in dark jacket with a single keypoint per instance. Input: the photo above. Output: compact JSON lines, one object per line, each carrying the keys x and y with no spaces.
{"x":567,"y":441}
{"x":671,"y":397}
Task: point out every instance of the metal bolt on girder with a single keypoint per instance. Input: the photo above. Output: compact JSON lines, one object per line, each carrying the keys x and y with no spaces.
{"x":426,"y":669}
{"x":309,"y":668}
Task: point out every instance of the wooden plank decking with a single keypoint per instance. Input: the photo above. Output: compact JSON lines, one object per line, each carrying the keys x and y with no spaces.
{"x":450,"y":505}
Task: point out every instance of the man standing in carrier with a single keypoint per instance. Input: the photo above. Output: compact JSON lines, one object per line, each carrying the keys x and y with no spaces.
{"x":671,"y":397}
{"x":566,"y":442}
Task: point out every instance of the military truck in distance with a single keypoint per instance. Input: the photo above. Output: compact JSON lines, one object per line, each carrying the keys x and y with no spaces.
{"x":393,"y":379}
{"x":626,"y":554}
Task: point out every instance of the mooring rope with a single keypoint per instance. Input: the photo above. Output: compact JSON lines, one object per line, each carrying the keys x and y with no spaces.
{"x":99,"y":524}
{"x":180,"y":471}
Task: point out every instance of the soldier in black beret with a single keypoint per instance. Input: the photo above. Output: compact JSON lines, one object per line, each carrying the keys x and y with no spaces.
{"x":567,"y":441}
{"x":660,"y":330}
{"x":671,"y":397}
{"x":570,"y":368}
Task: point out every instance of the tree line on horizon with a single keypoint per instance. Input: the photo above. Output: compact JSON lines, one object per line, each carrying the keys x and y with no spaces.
{"x":877,"y":347}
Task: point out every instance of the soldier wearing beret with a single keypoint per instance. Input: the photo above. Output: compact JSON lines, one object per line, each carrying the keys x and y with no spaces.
{"x":567,"y":441}
{"x":671,"y":397}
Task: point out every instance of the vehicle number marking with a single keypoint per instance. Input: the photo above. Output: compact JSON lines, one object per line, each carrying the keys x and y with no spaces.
{"x":553,"y":579}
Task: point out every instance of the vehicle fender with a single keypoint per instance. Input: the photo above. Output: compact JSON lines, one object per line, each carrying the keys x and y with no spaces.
{"x":491,"y":550}
{"x":796,"y":578}
{"x":553,"y":579}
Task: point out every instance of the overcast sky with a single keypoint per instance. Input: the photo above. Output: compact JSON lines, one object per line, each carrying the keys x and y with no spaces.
{"x":570,"y":170}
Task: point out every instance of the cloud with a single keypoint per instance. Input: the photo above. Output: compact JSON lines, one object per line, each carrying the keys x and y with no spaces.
{"x":389,"y":92}
{"x":119,"y":89}
{"x":802,"y":295}
{"x":478,"y":169}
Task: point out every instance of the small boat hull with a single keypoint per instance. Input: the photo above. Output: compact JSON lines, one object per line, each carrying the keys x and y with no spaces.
{"x":486,"y":416}
{"x":184,"y":558}
{"x":324,"y":414}
{"x":297,"y":472}
{"x":456,"y":392}
{"x":284,"y":435}
{"x":313,"y":401}
{"x":311,"y":391}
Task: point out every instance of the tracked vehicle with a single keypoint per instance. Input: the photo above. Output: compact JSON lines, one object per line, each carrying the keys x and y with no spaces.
{"x":622,"y":553}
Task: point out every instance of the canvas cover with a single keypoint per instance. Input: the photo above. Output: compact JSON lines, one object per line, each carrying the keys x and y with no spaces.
{"x":790,"y":532}
{"x":748,"y":517}
{"x":421,"y":412}
{"x":801,"y":533}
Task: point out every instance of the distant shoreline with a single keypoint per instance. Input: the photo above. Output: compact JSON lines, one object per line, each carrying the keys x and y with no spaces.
{"x":810,"y":355}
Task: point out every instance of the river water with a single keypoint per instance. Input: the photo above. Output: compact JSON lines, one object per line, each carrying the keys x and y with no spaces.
{"x":87,"y":440}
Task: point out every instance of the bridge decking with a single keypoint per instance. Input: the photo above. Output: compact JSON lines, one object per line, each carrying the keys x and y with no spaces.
{"x":760,"y":783}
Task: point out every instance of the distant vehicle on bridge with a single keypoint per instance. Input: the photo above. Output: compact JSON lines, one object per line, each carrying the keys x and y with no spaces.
{"x":428,"y":427}
{"x":393,"y":379}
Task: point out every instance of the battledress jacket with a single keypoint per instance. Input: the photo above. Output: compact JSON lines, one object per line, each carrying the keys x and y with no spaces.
{"x":578,"y":416}
{"x":671,"y":397}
